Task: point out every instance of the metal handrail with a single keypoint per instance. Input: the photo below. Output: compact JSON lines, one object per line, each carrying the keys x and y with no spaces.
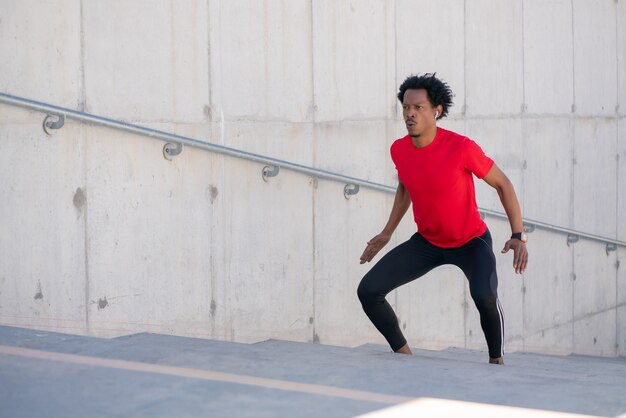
{"x":352,"y":184}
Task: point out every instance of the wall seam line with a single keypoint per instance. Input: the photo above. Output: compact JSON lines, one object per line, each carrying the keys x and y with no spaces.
{"x":313,"y":112}
{"x":573,"y":188}
{"x":617,"y":182}
{"x":524,"y":150}
{"x":82,"y":100}
{"x":464,"y":113}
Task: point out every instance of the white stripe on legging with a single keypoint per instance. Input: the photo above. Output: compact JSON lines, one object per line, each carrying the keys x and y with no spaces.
{"x":501,"y":313}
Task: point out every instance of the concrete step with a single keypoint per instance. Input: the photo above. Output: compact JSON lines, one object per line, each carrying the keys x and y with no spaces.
{"x":573,"y":384}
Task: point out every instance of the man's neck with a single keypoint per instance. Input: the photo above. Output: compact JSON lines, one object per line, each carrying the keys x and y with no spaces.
{"x":424,"y":139}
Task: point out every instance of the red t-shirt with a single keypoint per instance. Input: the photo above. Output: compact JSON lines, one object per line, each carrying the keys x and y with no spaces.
{"x":439,"y":180}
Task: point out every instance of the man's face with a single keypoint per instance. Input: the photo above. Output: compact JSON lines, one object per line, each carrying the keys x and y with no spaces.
{"x":419,"y":114}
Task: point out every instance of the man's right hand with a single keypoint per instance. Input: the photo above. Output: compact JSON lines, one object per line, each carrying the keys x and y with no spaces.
{"x":374,"y":246}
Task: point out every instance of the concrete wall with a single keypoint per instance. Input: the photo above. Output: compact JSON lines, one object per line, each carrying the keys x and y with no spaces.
{"x":102,"y":236}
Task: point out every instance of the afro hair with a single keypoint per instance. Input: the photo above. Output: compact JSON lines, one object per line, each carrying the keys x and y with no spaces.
{"x":439,"y":92}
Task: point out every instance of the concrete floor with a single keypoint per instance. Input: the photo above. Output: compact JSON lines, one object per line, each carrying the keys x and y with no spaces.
{"x":45,"y":374}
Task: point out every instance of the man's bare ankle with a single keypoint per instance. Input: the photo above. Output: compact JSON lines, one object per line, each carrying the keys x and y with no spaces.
{"x":404,"y":350}
{"x":496,"y":360}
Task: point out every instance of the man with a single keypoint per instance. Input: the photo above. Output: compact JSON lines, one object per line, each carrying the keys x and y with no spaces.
{"x":435,"y":168}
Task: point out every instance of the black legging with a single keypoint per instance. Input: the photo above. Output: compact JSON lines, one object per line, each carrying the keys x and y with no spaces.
{"x":416,"y":257}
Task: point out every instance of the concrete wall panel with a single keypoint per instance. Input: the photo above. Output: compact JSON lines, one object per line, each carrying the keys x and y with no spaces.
{"x":548,"y":89}
{"x":268,"y":246}
{"x":16,"y":115}
{"x":289,"y":58}
{"x":349,"y":59}
{"x":40,"y":50}
{"x":203,"y":199}
{"x":621,"y":179}
{"x":595,"y":334}
{"x":265,"y":59}
{"x":42,"y":242}
{"x":548,"y":304}
{"x":153,"y":68}
{"x":494,"y":54}
{"x":148,"y":269}
{"x":620,"y":270}
{"x":595,"y":299}
{"x":621,"y":331}
{"x":594,"y":285}
{"x":420,"y":44}
{"x":457,"y":125}
{"x":501,"y":139}
{"x":595,"y":176}
{"x":621,"y":57}
{"x":342,"y":229}
{"x":595,"y":65}
{"x":240,"y":57}
{"x":395,"y":129}
{"x":285,"y":141}
{"x":621,"y":301}
{"x":548,"y":173}
{"x":355,"y":148}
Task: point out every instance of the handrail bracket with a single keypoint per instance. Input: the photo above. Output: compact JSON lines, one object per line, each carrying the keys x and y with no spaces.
{"x":171,"y":150}
{"x":53,"y":122}
{"x":571,"y":239}
{"x":270,"y":171}
{"x":350,"y":189}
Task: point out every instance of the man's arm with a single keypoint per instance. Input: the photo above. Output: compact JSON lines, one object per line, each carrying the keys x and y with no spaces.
{"x":499,"y":181}
{"x":401,"y":204}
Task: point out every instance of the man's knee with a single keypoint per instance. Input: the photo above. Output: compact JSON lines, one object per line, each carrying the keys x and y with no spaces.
{"x":362,"y":291}
{"x":485,"y":299}
{"x":366,"y":293}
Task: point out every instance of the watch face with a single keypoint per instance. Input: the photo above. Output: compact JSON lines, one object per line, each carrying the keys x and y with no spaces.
{"x":524,"y":237}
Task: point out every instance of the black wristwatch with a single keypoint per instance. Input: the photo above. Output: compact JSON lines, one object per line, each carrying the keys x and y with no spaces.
{"x":520,"y":236}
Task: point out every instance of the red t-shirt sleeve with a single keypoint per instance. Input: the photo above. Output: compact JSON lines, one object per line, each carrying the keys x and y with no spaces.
{"x":393,"y":151}
{"x":475,"y":159}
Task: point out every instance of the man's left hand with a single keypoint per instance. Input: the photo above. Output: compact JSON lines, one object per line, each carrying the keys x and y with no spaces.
{"x":520,"y":254}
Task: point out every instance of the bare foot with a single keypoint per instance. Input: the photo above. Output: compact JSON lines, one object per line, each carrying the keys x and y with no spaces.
{"x":497,"y":360}
{"x":404,"y":349}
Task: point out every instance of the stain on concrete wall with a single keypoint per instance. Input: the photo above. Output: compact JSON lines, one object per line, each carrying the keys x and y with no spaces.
{"x":39,"y":294}
{"x":79,"y":199}
{"x":103,"y":303}
{"x":211,"y":193}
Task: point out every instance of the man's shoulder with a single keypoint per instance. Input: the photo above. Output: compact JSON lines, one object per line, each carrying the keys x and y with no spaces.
{"x":452,"y":136}
{"x":400,"y":142}
{"x":404,"y":139}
